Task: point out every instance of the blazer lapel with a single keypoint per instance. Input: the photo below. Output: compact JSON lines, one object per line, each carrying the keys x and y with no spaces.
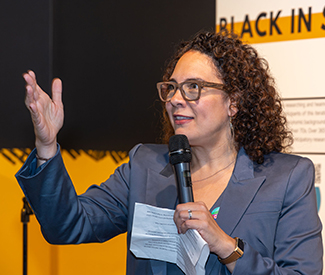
{"x":161,"y":191}
{"x":161,"y":188}
{"x":238,"y":195}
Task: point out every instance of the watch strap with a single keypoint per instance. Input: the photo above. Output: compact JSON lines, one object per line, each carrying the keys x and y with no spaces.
{"x":236,"y":254}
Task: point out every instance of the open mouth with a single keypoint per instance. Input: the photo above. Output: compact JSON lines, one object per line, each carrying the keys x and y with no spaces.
{"x":179,"y":119}
{"x":182,"y":117}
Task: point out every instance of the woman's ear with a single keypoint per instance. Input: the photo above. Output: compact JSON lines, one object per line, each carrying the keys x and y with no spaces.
{"x":232,"y":110}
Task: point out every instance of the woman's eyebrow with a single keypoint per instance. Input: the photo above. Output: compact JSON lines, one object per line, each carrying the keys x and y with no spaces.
{"x":188,"y":79}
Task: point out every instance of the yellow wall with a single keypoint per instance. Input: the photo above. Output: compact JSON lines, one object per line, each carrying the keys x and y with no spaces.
{"x":85,"y":168}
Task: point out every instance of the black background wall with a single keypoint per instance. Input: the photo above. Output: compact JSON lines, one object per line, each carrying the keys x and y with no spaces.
{"x":25,"y":43}
{"x":109,"y":54}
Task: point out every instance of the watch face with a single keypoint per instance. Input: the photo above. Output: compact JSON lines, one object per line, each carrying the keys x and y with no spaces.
{"x":241,"y":244}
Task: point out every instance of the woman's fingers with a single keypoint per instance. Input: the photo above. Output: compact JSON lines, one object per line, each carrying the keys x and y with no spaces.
{"x":198,"y":220}
{"x":32,"y":74}
{"x":47,"y":114}
{"x":30,"y":79}
{"x":190,"y":215}
{"x":31,"y":91}
{"x":57,"y":91}
{"x":31,"y":88}
{"x":29,"y":99}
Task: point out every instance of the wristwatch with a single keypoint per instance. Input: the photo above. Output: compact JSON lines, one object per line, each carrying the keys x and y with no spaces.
{"x":236,"y":254}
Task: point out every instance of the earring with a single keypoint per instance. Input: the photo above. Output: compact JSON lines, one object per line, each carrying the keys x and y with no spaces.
{"x":231,"y":126}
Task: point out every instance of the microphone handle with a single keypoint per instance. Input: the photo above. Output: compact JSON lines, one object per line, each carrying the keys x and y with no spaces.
{"x":184,"y":182}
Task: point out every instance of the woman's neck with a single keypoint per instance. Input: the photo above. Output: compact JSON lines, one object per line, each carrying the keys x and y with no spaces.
{"x":211,"y":170}
{"x":213,"y":158}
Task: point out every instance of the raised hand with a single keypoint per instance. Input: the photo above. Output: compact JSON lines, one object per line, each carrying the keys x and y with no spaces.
{"x":46,"y":113}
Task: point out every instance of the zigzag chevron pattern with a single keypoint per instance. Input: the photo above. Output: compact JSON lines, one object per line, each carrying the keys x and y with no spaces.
{"x":19,"y":155}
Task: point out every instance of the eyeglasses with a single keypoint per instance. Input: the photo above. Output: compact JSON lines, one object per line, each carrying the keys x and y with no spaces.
{"x":190,"y":90}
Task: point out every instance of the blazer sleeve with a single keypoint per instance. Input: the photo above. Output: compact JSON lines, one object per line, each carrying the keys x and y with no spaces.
{"x":298,"y":242}
{"x":66,"y":218}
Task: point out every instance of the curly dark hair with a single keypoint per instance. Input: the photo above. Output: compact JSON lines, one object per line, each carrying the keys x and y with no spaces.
{"x":259,"y":126}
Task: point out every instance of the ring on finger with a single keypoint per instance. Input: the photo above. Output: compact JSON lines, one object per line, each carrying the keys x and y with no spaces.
{"x":189,"y":214}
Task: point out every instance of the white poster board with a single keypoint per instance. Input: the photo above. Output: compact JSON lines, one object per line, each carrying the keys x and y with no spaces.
{"x":290,"y":35}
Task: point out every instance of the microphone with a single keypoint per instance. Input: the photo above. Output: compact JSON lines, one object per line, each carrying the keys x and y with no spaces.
{"x":180,"y":157}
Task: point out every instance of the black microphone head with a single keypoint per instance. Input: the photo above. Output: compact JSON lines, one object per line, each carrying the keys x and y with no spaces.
{"x":179,"y":149}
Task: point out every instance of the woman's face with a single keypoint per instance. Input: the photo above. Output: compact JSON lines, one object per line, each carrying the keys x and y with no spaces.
{"x":205,"y":122}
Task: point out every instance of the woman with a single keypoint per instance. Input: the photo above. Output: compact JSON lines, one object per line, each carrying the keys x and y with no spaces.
{"x":254,"y":206}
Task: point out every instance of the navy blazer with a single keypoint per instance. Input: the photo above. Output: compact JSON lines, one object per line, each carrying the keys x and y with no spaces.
{"x":271,"y":206}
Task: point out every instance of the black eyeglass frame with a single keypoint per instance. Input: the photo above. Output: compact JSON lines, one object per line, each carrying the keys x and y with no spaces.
{"x":179,"y":86}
